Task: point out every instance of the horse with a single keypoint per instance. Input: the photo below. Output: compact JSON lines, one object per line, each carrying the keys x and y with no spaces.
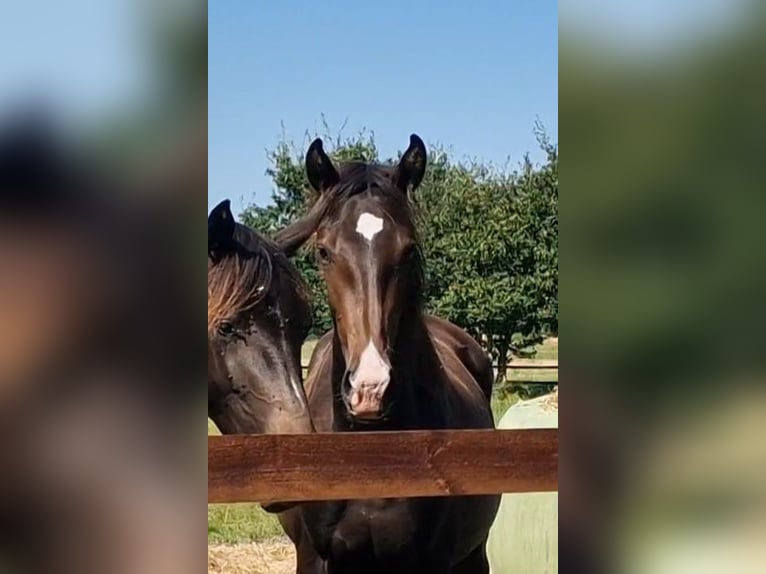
{"x":385,"y":365}
{"x":258,"y":316}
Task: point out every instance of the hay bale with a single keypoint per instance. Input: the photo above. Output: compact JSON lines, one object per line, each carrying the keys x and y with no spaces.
{"x":524,"y":536}
{"x":275,"y":556}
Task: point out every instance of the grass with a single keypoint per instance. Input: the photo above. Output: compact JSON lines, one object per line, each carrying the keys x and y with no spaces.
{"x":547,"y":351}
{"x":501,"y":402}
{"x":234,"y":523}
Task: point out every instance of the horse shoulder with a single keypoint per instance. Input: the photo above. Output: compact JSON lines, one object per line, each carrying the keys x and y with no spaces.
{"x":466,"y":349}
{"x":469,"y":407}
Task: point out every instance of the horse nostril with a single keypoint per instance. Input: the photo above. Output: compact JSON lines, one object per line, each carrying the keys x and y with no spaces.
{"x":346,"y":384}
{"x":347,"y":390}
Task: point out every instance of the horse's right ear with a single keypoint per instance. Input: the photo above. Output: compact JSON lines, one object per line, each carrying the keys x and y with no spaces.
{"x":220,"y":227}
{"x":412,"y":166}
{"x":319,"y":167}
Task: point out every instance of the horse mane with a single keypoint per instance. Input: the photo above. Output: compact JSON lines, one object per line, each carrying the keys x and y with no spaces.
{"x":242,"y":278}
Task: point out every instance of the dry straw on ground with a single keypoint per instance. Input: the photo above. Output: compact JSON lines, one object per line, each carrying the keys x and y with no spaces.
{"x":275,"y":556}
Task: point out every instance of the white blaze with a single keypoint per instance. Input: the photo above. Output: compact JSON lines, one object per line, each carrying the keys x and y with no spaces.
{"x":372,"y":371}
{"x":368,"y":225}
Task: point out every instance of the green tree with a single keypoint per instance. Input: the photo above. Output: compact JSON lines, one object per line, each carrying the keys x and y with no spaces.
{"x":491,"y":242}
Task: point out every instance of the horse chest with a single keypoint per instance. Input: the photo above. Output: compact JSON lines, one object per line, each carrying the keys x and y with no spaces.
{"x":380,"y":526}
{"x":392,"y":531}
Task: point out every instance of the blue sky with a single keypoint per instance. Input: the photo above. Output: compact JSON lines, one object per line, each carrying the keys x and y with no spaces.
{"x":473,"y":76}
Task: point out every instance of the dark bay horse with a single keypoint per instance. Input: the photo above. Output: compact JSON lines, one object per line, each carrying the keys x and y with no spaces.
{"x":258,"y":316}
{"x":385,"y":366}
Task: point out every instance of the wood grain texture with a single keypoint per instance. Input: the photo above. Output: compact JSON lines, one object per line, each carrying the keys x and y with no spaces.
{"x":337,"y":466}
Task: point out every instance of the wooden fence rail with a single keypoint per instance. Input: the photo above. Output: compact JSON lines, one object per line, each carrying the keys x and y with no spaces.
{"x":336,"y":466}
{"x":552,"y":364}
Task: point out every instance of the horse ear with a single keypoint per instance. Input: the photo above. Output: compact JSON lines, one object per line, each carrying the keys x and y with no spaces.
{"x":220,"y":226}
{"x":412,"y":166}
{"x":319,"y":168}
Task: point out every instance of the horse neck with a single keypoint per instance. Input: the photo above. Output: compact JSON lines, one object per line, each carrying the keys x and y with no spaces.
{"x":416,"y":373}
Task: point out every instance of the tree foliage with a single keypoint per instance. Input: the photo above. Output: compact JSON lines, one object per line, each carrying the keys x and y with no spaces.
{"x":489,"y":236}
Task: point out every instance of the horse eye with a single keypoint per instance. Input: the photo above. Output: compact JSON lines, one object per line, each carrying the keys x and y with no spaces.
{"x":225,"y":329}
{"x":323,"y":254}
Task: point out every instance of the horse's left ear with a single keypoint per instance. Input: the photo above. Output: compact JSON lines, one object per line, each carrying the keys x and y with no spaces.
{"x":412,"y":166}
{"x":220,"y":227}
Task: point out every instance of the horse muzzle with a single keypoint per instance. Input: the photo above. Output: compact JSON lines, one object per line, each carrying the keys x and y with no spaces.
{"x":365,"y":400}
